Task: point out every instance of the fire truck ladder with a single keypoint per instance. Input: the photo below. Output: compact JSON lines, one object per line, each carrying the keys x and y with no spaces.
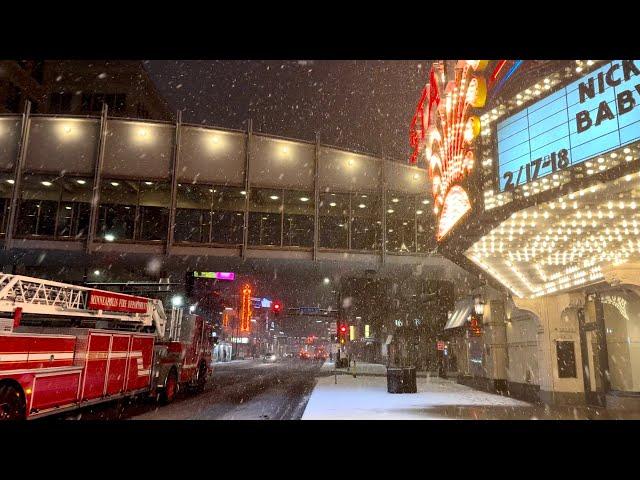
{"x":46,"y":297}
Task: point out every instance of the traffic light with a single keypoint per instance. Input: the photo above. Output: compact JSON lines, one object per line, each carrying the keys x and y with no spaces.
{"x":342,"y":332}
{"x":276,"y":307}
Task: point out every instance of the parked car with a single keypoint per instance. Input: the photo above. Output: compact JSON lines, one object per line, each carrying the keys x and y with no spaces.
{"x":269,"y":357}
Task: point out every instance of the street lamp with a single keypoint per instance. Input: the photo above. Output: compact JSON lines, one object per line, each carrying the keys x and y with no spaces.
{"x":176,"y":301}
{"x":478,"y":306}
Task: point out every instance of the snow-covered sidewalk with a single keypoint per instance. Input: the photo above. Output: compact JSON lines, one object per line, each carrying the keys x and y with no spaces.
{"x":366,"y":398}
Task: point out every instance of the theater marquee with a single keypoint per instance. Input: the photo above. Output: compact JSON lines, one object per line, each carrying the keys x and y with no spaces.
{"x":589,"y":117}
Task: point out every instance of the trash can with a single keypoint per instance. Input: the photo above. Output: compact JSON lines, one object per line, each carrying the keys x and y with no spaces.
{"x":395,"y":380}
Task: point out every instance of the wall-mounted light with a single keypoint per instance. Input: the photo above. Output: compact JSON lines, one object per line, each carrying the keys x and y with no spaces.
{"x":81,"y":182}
{"x":46,"y":184}
{"x":478,"y":305}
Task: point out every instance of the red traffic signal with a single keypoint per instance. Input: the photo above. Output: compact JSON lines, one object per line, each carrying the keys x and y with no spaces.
{"x":343,"y":328}
{"x":276,"y":307}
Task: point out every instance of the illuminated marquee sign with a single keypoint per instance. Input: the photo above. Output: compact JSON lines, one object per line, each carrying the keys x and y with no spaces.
{"x":444,"y":129}
{"x":589,"y":117}
{"x":228,"y":276}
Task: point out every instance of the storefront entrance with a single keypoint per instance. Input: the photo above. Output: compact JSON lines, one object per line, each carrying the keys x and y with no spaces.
{"x":593,"y":345}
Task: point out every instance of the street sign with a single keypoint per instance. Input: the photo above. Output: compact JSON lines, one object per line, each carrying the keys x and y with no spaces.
{"x":440,"y":345}
{"x":333,"y":328}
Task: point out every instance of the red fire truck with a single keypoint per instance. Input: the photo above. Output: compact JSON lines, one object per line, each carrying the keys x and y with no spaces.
{"x":66,"y":346}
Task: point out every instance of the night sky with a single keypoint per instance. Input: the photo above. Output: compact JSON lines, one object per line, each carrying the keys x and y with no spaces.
{"x":364,"y":105}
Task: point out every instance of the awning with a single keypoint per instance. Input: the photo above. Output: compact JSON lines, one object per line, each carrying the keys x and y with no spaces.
{"x":389,"y":338}
{"x":460,"y":314}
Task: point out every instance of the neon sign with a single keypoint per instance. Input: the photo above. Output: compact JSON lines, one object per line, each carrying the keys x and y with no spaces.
{"x":245,"y":309}
{"x":444,"y":129}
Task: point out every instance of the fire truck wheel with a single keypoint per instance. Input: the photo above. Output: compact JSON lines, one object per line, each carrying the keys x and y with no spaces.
{"x":170,"y":389}
{"x":12,"y":405}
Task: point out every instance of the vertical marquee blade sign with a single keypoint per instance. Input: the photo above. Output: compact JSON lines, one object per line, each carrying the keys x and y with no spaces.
{"x":442,"y":133}
{"x":245,"y":309}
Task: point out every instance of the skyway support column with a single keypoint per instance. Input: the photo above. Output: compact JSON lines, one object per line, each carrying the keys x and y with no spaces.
{"x":17,"y":178}
{"x":175,"y":165}
{"x":316,"y":199}
{"x":97,"y":180}
{"x":247,"y":162}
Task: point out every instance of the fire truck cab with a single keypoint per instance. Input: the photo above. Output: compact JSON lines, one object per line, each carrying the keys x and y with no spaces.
{"x":64,"y":346}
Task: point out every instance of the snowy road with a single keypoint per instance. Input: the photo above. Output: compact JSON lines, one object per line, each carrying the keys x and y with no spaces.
{"x":245,"y":390}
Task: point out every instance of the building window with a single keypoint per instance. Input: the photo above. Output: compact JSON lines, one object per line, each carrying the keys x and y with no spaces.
{"x":116,"y":102}
{"x":265,"y":217}
{"x":333,"y":221}
{"x":227,"y":216}
{"x":425,"y":224}
{"x":154,"y":210}
{"x":132,"y":210}
{"x":92,"y":102}
{"x":6,"y":189}
{"x":60,"y":102}
{"x":74,"y":211}
{"x":366,"y":221}
{"x":54,"y":207}
{"x":401,"y":223}
{"x":118,"y":205}
{"x":566,"y":359}
{"x":298,"y":219}
{"x":193,"y":214}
